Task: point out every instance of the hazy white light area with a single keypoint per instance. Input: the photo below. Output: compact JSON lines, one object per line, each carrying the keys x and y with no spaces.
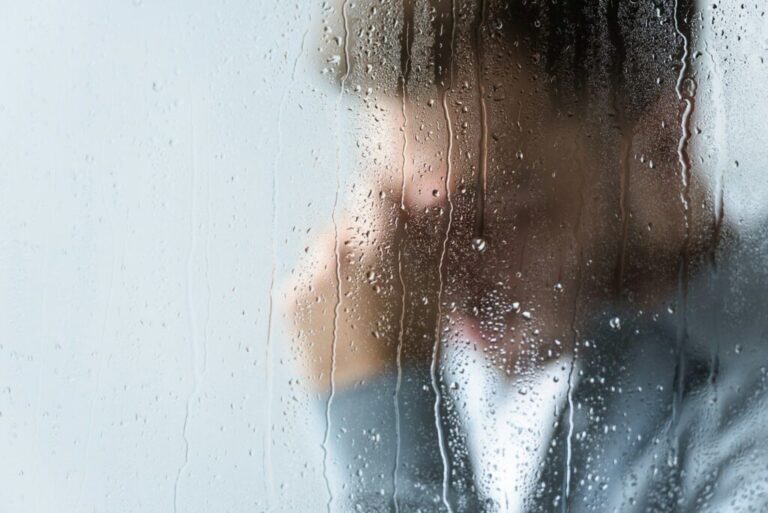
{"x":140,"y":147}
{"x":731,"y":109}
{"x":162,"y":166}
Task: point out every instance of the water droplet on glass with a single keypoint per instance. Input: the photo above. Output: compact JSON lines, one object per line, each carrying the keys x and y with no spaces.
{"x":615,"y":323}
{"x":478,"y":244}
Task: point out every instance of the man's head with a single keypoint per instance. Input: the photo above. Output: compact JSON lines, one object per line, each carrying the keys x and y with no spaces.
{"x":552,"y":133}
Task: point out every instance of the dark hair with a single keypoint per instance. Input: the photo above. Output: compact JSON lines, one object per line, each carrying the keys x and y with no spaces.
{"x":624,"y":50}
{"x":621,"y":51}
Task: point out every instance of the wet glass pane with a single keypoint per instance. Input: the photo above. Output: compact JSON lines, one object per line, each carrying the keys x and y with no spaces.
{"x":384,"y":256}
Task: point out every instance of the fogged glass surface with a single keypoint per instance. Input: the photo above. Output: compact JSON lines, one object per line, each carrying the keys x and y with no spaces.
{"x":404,"y":256}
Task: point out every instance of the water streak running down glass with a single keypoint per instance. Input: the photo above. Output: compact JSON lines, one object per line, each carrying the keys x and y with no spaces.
{"x":436,"y":256}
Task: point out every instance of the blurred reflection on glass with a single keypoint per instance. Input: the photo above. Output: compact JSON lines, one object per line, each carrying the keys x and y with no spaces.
{"x":530,"y":295}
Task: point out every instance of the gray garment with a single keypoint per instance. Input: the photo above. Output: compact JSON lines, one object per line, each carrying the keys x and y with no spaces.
{"x":665,"y":419}
{"x":365,"y":445}
{"x":638,"y":448}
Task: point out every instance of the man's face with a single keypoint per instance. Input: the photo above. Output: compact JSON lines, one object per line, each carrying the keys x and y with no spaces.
{"x":527,"y":191}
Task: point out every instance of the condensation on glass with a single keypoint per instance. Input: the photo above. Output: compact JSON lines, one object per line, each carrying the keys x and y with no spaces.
{"x":385,"y":256}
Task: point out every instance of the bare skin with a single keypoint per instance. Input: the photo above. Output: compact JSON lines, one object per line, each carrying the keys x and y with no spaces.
{"x":553,"y":216}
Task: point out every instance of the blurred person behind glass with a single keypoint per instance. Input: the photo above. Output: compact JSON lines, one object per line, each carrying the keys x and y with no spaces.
{"x":532,"y":214}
